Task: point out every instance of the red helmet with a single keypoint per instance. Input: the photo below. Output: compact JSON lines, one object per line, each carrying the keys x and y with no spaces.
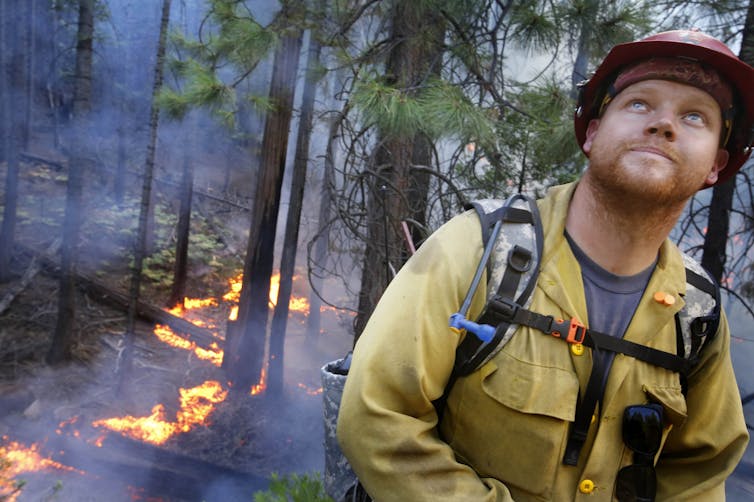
{"x":687,"y":44}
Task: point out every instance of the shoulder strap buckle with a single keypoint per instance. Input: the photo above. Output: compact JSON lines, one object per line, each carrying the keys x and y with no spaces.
{"x":571,"y":331}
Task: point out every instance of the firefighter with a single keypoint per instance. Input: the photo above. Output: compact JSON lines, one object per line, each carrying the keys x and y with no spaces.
{"x":660,"y":119}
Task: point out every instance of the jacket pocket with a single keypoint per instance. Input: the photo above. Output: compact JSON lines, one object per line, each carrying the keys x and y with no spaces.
{"x":672,"y":400}
{"x":512,"y":422}
{"x":531,"y":388}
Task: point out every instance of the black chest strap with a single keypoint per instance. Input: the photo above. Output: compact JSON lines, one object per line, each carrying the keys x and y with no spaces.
{"x":572,"y":331}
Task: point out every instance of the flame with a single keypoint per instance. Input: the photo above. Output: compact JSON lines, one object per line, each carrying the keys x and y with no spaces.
{"x":195,"y":303}
{"x":16,"y":459}
{"x":259,"y":388}
{"x":309,"y":390}
{"x":297,"y":303}
{"x":197,"y":403}
{"x":214,"y":354}
{"x":196,"y":406}
{"x":236,"y":283}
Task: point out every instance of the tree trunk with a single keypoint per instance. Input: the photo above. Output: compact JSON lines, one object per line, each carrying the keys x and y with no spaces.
{"x":721,"y":204}
{"x":184,"y":224}
{"x":31,"y":50}
{"x":146,"y":197}
{"x":14,"y":77}
{"x":580,"y":66}
{"x":4,"y":89}
{"x":322,"y":239}
{"x":418,"y":35}
{"x":245,"y":342}
{"x":121,"y":167}
{"x":77,"y":163}
{"x":13,"y":88}
{"x":293,"y":221}
{"x":716,"y":238}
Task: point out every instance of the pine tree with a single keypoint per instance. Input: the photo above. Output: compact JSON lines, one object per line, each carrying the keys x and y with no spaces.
{"x":79,"y":162}
{"x":140,"y":248}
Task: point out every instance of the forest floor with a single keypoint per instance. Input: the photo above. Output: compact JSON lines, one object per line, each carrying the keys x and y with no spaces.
{"x":61,"y":413}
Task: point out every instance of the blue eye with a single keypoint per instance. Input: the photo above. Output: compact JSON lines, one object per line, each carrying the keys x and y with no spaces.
{"x":637,"y":105}
{"x":694,"y":117}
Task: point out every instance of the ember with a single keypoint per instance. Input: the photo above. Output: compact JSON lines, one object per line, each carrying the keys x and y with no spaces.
{"x":310,"y":390}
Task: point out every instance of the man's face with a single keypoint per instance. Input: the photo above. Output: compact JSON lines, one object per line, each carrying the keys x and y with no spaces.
{"x":658,"y":141}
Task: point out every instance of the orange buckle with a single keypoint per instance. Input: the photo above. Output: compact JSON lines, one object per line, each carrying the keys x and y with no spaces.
{"x":571,"y":331}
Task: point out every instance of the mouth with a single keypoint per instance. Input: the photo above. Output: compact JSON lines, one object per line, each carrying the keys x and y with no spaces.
{"x":652,"y":150}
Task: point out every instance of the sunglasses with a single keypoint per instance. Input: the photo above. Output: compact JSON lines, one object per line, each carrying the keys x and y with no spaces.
{"x":642,"y":433}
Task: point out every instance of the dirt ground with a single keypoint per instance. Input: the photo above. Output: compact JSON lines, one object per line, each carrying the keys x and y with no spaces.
{"x":53,"y":409}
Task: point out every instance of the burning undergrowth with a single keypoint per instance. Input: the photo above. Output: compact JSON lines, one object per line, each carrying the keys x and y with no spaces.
{"x":174,"y":432}
{"x":174,"y":419}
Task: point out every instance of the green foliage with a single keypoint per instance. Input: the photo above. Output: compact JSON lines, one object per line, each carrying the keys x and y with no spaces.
{"x":448,"y":113}
{"x":233,"y":45}
{"x":241,"y":40}
{"x":294,"y":488}
{"x":394,"y":111}
{"x":438,"y":109}
{"x":534,"y":27}
{"x":552,"y":146}
{"x":603,"y":24}
{"x":202,"y":89}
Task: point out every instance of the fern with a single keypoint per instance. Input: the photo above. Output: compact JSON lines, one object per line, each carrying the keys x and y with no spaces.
{"x":294,"y":488}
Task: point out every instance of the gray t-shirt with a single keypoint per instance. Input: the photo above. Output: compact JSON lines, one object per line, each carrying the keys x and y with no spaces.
{"x":611,"y":300}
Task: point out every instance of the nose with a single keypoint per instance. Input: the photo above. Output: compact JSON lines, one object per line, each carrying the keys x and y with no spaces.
{"x":662,"y":126}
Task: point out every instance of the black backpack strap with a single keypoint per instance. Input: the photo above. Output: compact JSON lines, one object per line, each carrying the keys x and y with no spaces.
{"x":697,"y":322}
{"x":473,"y":351}
{"x":572,"y":331}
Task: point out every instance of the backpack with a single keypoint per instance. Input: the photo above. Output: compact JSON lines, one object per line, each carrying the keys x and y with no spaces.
{"x":512,"y":237}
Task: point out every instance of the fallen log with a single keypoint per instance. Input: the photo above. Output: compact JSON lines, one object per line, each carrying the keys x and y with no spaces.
{"x":31,"y":271}
{"x":101,"y":292}
{"x":43,"y":160}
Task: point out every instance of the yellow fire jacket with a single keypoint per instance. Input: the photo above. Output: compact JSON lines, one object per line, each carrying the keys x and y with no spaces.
{"x":505,"y":427}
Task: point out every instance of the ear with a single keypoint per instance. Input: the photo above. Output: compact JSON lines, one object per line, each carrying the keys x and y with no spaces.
{"x":591,"y":131}
{"x":721,"y":160}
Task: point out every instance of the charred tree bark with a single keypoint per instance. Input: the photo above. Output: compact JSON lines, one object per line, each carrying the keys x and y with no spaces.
{"x":124,"y":364}
{"x":394,"y":188}
{"x":4,"y":98}
{"x":127,"y":106}
{"x":714,"y":252}
{"x":78,"y":162}
{"x":580,"y":66}
{"x":30,"y":46}
{"x":14,"y":79}
{"x":184,"y":227}
{"x":245,"y":340}
{"x":322,"y":239}
{"x":293,"y":221}
{"x":119,"y":183}
{"x":716,"y":238}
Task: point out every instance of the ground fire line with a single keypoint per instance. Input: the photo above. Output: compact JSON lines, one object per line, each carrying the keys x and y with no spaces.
{"x":196,"y":404}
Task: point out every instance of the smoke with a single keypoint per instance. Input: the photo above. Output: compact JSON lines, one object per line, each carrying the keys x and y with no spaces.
{"x":246,"y":440}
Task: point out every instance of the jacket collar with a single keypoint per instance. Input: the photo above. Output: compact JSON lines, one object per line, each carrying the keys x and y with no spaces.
{"x":560,"y":267}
